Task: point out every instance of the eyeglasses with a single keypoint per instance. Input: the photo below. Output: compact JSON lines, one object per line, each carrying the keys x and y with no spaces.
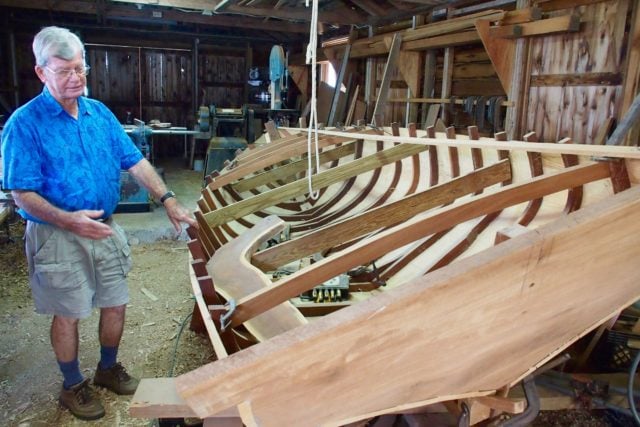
{"x":66,"y":73}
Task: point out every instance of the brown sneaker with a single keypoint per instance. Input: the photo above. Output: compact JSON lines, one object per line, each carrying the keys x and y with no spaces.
{"x":115,"y":379}
{"x":81,"y":401}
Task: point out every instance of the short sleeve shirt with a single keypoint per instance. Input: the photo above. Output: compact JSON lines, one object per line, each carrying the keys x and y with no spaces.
{"x":73,"y":164}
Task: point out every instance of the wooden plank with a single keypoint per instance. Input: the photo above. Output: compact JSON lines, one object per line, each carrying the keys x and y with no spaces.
{"x":243,"y":278}
{"x":552,"y":5}
{"x":500,"y":50}
{"x":158,"y":398}
{"x":451,"y":25}
{"x":449,"y":40}
{"x":537,"y":147}
{"x":383,"y":90}
{"x":383,"y":216}
{"x":521,"y":15}
{"x":338,"y":87}
{"x":518,"y":295}
{"x":445,"y":88}
{"x":605,"y":79}
{"x":320,"y":180}
{"x":290,"y":169}
{"x":352,"y":107}
{"x":269,"y":156}
{"x":558,"y":24}
{"x":406,"y":233}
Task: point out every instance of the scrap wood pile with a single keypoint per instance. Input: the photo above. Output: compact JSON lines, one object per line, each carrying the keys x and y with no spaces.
{"x":438,"y":268}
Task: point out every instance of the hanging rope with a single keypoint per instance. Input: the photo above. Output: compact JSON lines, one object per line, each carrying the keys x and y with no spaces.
{"x":313,"y":117}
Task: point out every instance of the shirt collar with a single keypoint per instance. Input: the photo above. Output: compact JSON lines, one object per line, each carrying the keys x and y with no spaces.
{"x":54,"y":107}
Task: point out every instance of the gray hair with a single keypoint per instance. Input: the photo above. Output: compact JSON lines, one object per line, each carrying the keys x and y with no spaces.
{"x":57,"y":42}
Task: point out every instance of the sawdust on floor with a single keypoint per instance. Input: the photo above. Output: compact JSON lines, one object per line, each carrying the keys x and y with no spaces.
{"x":29,"y":377}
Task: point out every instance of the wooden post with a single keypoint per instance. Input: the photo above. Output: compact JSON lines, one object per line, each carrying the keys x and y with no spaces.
{"x":383,"y":92}
{"x":337,"y":91}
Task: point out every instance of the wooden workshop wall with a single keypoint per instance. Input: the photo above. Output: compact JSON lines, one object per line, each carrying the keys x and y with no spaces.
{"x":222,"y":78}
{"x":153,"y":84}
{"x":114,"y":79}
{"x":576,"y":79}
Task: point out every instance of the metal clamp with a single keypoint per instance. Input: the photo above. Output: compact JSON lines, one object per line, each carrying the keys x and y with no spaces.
{"x":465,"y":416}
{"x":225,"y":319}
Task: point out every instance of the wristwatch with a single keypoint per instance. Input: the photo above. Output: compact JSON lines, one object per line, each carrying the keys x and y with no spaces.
{"x":167,"y":195}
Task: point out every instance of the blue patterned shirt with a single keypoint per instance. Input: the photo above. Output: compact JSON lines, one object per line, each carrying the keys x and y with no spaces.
{"x":73,"y":164}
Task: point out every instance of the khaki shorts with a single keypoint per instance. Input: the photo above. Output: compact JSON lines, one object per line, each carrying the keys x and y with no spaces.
{"x":70,"y":275}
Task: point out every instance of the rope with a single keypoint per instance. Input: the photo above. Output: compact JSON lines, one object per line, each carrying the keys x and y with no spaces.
{"x":313,"y":117}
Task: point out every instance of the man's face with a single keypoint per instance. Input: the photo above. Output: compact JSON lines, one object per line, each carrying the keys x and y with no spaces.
{"x":63,"y":83}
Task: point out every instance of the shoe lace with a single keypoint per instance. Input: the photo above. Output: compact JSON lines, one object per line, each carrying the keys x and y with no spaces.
{"x":120,"y":372}
{"x":83,"y":394}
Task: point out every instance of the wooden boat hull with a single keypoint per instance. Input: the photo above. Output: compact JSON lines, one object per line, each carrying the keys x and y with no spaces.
{"x":494,"y":260}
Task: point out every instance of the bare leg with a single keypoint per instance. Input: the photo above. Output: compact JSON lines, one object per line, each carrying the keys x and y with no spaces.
{"x":64,"y":338}
{"x":111,"y":325}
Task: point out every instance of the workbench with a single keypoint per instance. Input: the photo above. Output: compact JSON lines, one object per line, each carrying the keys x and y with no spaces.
{"x":221,"y":149}
{"x":189,"y":150}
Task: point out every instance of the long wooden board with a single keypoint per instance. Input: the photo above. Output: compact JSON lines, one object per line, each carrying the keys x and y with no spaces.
{"x":438,"y":337}
{"x":290,"y":169}
{"x":320,"y":180}
{"x":487,"y":143}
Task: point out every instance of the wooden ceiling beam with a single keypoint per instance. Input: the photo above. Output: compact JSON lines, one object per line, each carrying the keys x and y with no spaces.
{"x":371,"y":7}
{"x":113,"y":11}
{"x":186,"y":4}
{"x":297,"y":14}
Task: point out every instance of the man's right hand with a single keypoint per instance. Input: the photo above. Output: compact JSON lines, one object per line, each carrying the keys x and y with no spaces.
{"x":84,"y":223}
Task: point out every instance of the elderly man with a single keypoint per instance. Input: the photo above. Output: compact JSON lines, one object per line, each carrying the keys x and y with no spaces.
{"x":62,"y":156}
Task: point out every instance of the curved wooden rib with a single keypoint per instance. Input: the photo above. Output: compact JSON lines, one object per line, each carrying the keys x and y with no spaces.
{"x":242,"y":278}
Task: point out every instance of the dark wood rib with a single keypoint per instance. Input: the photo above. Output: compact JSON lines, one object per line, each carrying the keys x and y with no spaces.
{"x":344,"y":211}
{"x":206,"y":235}
{"x":462,"y":247}
{"x":574,"y":195}
{"x":434,"y":173}
{"x":453,"y":154}
{"x":471,"y":237}
{"x":415,"y":160}
{"x":535,"y":166}
{"x":619,"y":175}
{"x":222,"y":203}
{"x":389,"y":270}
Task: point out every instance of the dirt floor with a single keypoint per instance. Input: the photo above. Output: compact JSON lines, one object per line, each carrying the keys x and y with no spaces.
{"x":29,"y":376}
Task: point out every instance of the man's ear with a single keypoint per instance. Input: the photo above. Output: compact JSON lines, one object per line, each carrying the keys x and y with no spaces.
{"x":40,"y":73}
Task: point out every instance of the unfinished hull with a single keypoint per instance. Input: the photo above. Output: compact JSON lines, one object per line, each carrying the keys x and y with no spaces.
{"x":471,"y":263}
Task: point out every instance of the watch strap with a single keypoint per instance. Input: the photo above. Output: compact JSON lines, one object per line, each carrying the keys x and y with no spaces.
{"x":166,"y":196}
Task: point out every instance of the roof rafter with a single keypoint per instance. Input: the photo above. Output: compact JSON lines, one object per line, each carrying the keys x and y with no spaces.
{"x":114,"y":11}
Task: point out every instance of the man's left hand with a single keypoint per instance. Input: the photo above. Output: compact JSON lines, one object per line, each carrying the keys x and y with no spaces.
{"x":178,"y":214}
